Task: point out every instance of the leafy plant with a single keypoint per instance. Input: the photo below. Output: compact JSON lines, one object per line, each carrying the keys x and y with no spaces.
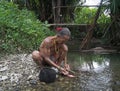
{"x":86,"y":16}
{"x":20,"y":29}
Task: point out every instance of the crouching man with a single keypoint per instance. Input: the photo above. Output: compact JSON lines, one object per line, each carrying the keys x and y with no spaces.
{"x":53,"y":51}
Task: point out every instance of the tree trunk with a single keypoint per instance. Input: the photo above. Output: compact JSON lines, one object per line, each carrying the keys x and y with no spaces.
{"x":86,"y":41}
{"x":53,"y":7}
{"x":56,"y":10}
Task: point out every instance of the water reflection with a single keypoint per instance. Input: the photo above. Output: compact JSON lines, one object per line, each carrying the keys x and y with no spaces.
{"x":94,"y":66}
{"x":102,"y":69}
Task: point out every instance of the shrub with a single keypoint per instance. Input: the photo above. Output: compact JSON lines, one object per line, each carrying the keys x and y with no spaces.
{"x":20,"y":29}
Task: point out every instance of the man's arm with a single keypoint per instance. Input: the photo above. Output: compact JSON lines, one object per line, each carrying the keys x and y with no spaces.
{"x":66,"y":65}
{"x":65,"y":51}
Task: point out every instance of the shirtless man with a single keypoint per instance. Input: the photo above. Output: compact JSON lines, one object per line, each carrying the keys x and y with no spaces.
{"x":53,"y":51}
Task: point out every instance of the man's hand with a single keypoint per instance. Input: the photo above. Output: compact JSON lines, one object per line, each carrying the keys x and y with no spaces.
{"x":67,"y":67}
{"x":64,"y":71}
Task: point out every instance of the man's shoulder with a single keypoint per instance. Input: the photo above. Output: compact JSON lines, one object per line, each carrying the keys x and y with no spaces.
{"x":47,"y":42}
{"x":65,"y":47}
{"x":48,"y":39}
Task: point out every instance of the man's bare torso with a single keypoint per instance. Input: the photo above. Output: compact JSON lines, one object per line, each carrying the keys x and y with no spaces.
{"x":54,"y":49}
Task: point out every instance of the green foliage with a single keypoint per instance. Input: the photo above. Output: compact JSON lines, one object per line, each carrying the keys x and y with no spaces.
{"x":84,"y":15}
{"x":20,"y":29}
{"x":87,"y":15}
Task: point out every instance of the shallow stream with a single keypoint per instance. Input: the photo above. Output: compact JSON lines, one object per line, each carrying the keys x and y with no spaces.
{"x":98,"y":72}
{"x":94,"y":72}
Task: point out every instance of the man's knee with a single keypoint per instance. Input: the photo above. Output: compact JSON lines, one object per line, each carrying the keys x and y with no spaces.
{"x":36,"y":55}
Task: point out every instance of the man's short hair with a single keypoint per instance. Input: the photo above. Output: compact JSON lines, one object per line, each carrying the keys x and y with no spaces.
{"x":64,"y":31}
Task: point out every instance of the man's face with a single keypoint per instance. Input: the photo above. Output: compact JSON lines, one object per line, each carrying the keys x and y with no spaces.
{"x":63,"y":39}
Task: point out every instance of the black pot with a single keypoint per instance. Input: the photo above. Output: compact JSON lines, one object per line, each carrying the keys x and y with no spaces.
{"x":47,"y":75}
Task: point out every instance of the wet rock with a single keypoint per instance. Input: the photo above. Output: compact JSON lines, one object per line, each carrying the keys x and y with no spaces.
{"x":3,"y":69}
{"x":17,"y":89}
{"x":33,"y":82}
{"x":43,"y":83}
{"x":30,"y":77}
{"x":15,"y":77}
{"x":1,"y":89}
{"x":3,"y":78}
{"x":117,"y":82}
{"x":17,"y":69}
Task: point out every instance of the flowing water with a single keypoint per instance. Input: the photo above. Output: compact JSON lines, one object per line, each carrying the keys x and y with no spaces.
{"x":98,"y":72}
{"x":94,"y":72}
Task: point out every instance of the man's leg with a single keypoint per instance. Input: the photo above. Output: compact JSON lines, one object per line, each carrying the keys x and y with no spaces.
{"x":36,"y":55}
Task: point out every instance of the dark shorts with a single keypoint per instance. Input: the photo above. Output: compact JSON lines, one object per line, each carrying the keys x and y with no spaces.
{"x":44,"y":63}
